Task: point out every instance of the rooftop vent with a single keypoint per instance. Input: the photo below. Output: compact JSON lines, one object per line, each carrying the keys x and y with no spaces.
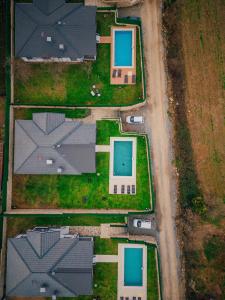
{"x":61,"y":47}
{"x":49,"y":39}
{"x":59,"y":170}
{"x":59,"y":22}
{"x":58,"y":145}
{"x":49,"y":162}
{"x":43,"y":288}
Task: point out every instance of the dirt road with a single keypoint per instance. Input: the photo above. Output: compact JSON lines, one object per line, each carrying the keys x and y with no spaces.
{"x":159,"y":129}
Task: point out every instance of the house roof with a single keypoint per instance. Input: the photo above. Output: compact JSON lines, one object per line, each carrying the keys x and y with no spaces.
{"x":48,"y":259}
{"x":70,"y":145}
{"x":71,"y":24}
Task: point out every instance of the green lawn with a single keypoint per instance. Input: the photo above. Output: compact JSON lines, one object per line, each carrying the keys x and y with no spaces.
{"x":70,"y":84}
{"x":86,"y":190}
{"x":26,"y":113}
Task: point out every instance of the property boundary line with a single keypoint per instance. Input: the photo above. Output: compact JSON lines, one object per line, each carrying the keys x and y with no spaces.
{"x":124,"y":21}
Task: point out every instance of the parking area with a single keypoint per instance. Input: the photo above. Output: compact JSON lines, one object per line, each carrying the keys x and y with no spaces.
{"x":139,"y":128}
{"x":141,"y":231}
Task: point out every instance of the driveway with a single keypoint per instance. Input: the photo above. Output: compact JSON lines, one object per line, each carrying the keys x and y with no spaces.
{"x":159,"y":130}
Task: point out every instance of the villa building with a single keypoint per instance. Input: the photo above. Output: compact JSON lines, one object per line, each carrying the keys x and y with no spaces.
{"x":49,"y":262}
{"x":51,"y":144}
{"x":55,"y":30}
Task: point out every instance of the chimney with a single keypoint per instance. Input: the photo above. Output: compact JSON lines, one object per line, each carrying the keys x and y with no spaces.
{"x":49,"y":39}
{"x":61,"y":47}
{"x":49,"y":161}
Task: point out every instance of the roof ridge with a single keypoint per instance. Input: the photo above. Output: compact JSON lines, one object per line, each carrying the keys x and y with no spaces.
{"x":76,"y":240}
{"x":11,"y":241}
{"x":64,"y":37}
{"x":78,"y":124}
{"x":31,"y":140}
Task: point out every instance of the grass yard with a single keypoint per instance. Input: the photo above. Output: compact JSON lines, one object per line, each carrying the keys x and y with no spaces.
{"x":86,"y":190}
{"x":105,"y":274}
{"x":26,"y":113}
{"x":70,"y":84}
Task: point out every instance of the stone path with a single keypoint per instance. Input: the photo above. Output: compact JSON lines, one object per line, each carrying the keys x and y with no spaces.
{"x":105,"y":39}
{"x":86,"y":230}
{"x":108,"y":231}
{"x":102,"y":148}
{"x":106,"y":258}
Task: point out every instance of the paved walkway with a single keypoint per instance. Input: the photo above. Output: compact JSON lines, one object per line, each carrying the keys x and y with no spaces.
{"x":58,"y":211}
{"x":102,"y":148}
{"x":108,"y":231}
{"x":86,"y":230}
{"x":106,"y":258}
{"x":105,"y":39}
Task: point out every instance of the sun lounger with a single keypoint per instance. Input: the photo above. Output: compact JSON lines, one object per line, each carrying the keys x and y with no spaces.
{"x":122,"y":189}
{"x":92,"y":93}
{"x":127,"y":298}
{"x":121,"y":298}
{"x":139,"y":298}
{"x":119,"y":73}
{"x":134,"y":298}
{"x":114,"y":73}
{"x":126,"y":79}
{"x":128,"y":189}
{"x":133,"y":189}
{"x":133,"y":78}
{"x":115,"y":189}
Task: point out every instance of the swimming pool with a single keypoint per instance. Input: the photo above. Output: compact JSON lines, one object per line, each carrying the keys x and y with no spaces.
{"x":122,"y":162}
{"x":133,"y":266}
{"x":123,"y":44}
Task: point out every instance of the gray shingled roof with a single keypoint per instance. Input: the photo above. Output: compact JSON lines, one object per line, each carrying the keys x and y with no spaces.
{"x":70,"y":24}
{"x":40,"y":259}
{"x":69,"y":144}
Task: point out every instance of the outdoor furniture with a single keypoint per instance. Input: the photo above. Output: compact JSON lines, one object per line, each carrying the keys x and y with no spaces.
{"x":121,"y":298}
{"x":139,"y":298}
{"x":119,"y":73}
{"x":92,"y":93}
{"x":133,"y":78}
{"x":126,"y":79}
{"x":133,"y":189}
{"x":128,"y":189}
{"x":127,"y":298}
{"x":134,"y":298}
{"x":114,"y":73}
{"x":115,"y":189}
{"x":122,"y":189}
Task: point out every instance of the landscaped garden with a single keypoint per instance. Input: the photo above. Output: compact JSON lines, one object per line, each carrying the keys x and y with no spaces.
{"x":71,"y":84}
{"x":86,"y":190}
{"x":105,"y":274}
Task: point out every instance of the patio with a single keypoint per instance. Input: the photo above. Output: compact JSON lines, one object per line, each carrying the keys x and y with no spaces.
{"x":121,"y":75}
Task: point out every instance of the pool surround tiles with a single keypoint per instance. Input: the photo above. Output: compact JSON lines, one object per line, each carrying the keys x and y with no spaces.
{"x":130,"y":291}
{"x":125,"y":175}
{"x":126,"y":71}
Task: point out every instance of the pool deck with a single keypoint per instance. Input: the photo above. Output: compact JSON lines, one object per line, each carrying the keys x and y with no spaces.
{"x":121,"y":72}
{"x":122,"y":180}
{"x":131,"y":291}
{"x":125,"y":71}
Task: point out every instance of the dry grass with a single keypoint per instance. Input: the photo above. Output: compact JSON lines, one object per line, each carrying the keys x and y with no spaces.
{"x":203,"y":43}
{"x":196,"y":64}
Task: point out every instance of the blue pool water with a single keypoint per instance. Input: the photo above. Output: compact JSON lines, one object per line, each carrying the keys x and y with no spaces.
{"x":122,"y":158}
{"x":123,"y":48}
{"x":133,"y":263}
